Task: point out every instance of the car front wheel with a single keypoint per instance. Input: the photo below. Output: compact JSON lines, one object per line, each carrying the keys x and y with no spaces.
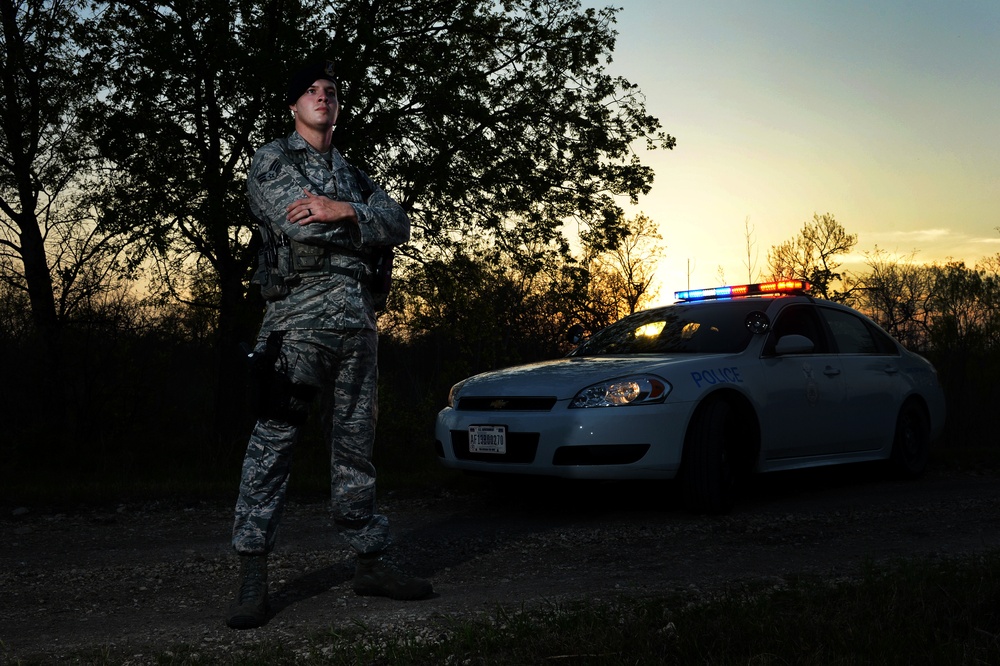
{"x":708,"y":479}
{"x":911,"y":444}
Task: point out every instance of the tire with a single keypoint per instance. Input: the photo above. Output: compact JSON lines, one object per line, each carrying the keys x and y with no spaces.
{"x":912,"y":442}
{"x":708,"y":479}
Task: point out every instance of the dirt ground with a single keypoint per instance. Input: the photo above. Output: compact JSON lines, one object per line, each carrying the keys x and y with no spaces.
{"x":135,"y":581}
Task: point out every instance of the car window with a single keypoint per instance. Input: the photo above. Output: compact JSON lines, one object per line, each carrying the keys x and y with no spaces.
{"x":851,"y":334}
{"x":886,"y":345}
{"x":798,"y":320}
{"x":700,"y":328}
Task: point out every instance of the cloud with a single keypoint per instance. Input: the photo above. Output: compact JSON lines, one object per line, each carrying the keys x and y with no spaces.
{"x":938,"y":235}
{"x":918,"y":235}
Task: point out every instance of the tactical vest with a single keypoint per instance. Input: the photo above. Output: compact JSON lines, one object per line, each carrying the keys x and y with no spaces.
{"x":282,"y":261}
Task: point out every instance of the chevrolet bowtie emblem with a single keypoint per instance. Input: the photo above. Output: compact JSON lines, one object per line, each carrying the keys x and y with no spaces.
{"x":498,"y":404}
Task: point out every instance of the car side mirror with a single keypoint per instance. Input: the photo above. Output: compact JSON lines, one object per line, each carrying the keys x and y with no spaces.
{"x":575,"y":334}
{"x":793,"y":344}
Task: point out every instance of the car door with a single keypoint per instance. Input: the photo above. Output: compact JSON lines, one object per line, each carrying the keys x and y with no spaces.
{"x":870,"y":364}
{"x":803,"y":392}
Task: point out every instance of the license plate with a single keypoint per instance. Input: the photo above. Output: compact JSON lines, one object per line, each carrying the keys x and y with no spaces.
{"x":488,"y":439}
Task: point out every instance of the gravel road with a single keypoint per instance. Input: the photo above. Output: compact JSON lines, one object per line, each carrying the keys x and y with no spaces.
{"x":136,"y":580}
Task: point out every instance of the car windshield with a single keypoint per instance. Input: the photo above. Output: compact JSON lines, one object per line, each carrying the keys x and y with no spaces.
{"x":717,"y":327}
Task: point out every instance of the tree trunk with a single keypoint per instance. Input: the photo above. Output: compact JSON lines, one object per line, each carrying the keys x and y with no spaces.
{"x":39,"y":282}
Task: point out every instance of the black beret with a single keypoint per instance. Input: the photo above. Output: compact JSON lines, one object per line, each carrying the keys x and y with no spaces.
{"x":306,"y":76}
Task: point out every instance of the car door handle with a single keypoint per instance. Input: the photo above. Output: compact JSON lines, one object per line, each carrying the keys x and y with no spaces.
{"x":890,"y":369}
{"x":831,"y":372}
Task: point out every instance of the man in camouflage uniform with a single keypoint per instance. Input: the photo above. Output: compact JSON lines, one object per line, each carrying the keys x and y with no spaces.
{"x":318,"y":339}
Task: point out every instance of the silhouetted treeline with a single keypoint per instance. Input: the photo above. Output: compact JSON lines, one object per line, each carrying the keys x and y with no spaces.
{"x":132,"y":403}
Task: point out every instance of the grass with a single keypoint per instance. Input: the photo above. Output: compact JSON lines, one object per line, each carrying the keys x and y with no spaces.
{"x":915,"y":612}
{"x":940,"y":611}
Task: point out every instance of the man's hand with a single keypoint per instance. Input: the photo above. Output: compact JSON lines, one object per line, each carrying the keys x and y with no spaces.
{"x":315,"y":208}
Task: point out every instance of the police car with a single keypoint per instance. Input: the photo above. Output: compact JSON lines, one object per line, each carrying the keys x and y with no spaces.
{"x":724,"y":382}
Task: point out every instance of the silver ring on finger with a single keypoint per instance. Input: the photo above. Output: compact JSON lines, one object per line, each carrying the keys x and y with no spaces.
{"x":309,"y":212}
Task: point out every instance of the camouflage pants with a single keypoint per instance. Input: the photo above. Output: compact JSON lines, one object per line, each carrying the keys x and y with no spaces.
{"x":342,"y":368}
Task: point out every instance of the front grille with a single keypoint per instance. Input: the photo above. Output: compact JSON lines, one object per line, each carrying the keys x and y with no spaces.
{"x":521,"y":448}
{"x":600,"y":454}
{"x":507,"y":404}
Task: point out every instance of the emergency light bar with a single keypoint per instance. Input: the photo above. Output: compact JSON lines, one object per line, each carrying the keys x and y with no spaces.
{"x":739,"y":291}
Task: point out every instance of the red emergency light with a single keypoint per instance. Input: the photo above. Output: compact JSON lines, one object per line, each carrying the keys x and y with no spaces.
{"x":739,"y":291}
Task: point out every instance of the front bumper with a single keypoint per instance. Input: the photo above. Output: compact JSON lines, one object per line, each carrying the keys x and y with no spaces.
{"x":611,"y":443}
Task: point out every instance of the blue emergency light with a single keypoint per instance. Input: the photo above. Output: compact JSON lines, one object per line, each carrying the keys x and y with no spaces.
{"x":738,"y":291}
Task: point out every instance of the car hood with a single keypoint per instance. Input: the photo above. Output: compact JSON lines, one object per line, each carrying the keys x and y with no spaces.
{"x":564,"y":377}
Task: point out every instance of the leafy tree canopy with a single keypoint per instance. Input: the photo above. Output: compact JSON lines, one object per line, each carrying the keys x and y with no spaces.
{"x":471,"y":112}
{"x":486,"y":120}
{"x":476,"y":112}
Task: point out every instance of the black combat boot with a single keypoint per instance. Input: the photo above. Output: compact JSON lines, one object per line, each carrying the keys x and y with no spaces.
{"x":249,"y":609}
{"x":374,"y":577}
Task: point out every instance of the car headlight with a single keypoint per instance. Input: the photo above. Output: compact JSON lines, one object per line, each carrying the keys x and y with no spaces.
{"x":635,"y":390}
{"x":453,"y":393}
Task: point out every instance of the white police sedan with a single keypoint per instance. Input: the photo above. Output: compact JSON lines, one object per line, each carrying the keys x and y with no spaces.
{"x":727,"y":381}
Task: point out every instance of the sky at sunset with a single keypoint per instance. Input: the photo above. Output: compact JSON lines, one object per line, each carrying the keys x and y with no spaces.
{"x":884,"y":113}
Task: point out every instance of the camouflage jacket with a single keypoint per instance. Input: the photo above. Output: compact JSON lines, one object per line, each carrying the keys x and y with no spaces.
{"x":322,"y":300}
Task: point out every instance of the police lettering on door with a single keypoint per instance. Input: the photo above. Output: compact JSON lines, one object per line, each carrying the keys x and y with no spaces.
{"x":714,"y":376}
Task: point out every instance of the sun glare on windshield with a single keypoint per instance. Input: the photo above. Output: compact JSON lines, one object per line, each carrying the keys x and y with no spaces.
{"x":703,"y":328}
{"x":650,"y":330}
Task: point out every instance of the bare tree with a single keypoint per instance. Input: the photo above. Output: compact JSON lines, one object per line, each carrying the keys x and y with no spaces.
{"x":812,"y":255}
{"x":624,"y":274}
{"x":897,"y":294}
{"x":752,"y":254}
